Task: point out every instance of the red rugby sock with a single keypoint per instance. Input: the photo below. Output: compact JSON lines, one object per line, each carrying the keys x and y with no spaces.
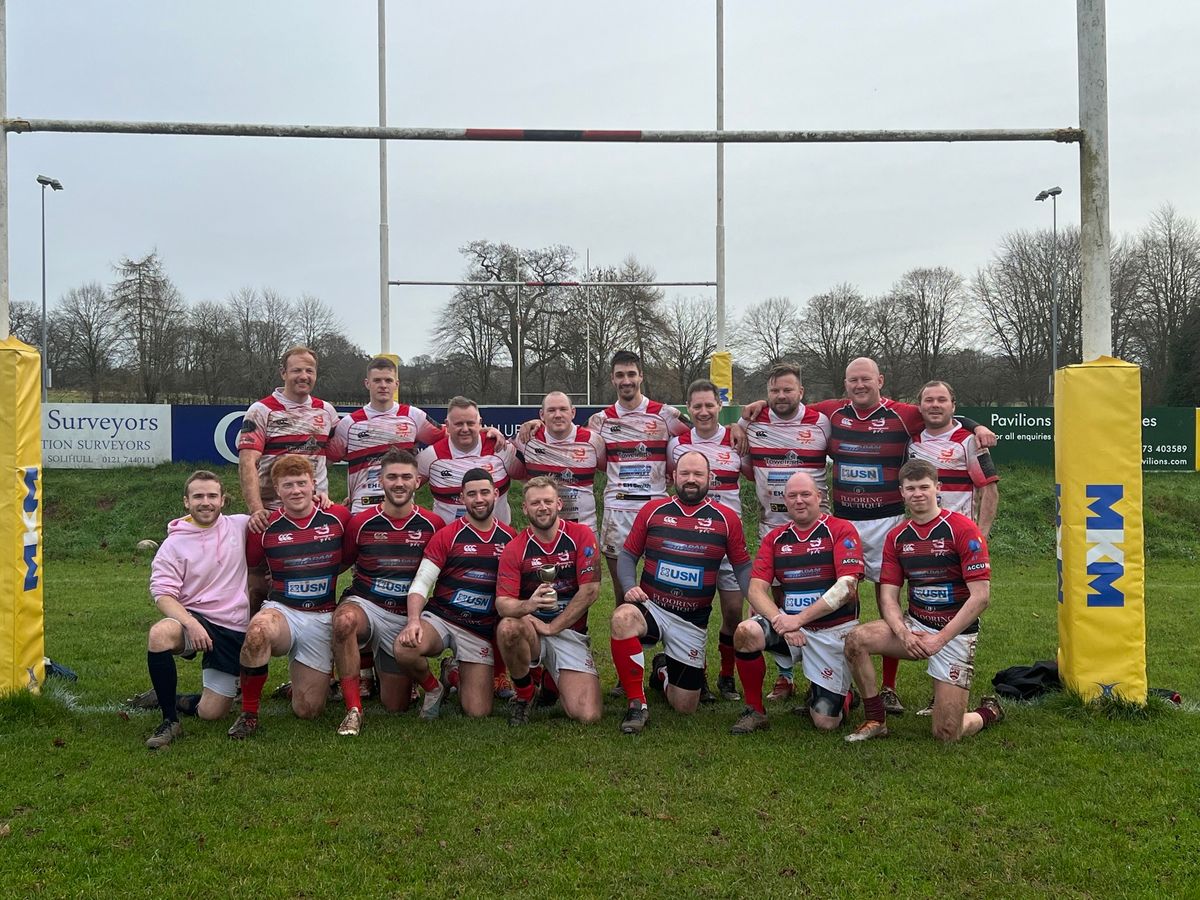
{"x":630,"y":661}
{"x":891,"y":665}
{"x":352,"y":692}
{"x":752,"y":671}
{"x":725,"y":648}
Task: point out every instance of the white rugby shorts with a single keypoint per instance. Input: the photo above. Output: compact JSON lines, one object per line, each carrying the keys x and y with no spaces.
{"x":383,"y":626}
{"x":614,"y":529}
{"x":683,"y":641}
{"x":822,"y":657}
{"x":468,"y":647}
{"x":567,"y":651}
{"x":955,"y":663}
{"x":871,"y":533}
{"x":312,"y":636}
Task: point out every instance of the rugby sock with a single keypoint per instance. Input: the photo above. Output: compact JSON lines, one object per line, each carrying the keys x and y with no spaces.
{"x":846,"y":702}
{"x":873,"y":708}
{"x":254,"y":679}
{"x":725,"y":647}
{"x":430,"y":683}
{"x":352,"y":692}
{"x":524,"y":687}
{"x":630,"y":662}
{"x":163,"y":676}
{"x":890,"y":666}
{"x":537,"y":673}
{"x":549,"y":688}
{"x":988,"y":715}
{"x":752,"y":671}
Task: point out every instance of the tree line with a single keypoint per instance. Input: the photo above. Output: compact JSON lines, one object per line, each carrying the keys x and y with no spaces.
{"x":989,"y":333}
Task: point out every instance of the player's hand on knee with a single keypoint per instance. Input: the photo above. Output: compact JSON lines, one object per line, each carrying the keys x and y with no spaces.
{"x":913,"y":645}
{"x":410,"y":635}
{"x":200,"y":638}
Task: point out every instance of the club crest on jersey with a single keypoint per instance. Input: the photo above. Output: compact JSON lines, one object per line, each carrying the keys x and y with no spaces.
{"x":321,"y":531}
{"x":704,"y":523}
{"x":804,"y":434}
{"x":415,"y":535}
{"x":814,"y":546}
{"x":947,"y":455}
{"x":879,"y":424}
{"x":578,"y":453}
{"x":939,"y":547}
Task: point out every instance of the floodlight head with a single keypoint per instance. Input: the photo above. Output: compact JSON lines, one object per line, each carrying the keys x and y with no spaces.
{"x":1049,"y":192}
{"x":46,"y":181}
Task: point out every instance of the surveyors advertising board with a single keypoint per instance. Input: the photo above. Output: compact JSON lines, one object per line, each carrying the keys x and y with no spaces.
{"x":107,"y":435}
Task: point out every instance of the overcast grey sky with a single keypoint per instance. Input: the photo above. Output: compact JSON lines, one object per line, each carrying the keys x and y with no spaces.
{"x":302,"y":216}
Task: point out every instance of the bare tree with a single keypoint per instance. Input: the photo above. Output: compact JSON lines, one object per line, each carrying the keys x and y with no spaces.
{"x":465,"y":333}
{"x":91,"y":330}
{"x":313,"y":321}
{"x":25,"y":322}
{"x":152,"y":315}
{"x":1014,"y":296}
{"x":931,"y":302}
{"x":834,"y":329}
{"x":767,"y":332}
{"x":688,"y":342}
{"x":212,"y":350}
{"x":1169,"y":256}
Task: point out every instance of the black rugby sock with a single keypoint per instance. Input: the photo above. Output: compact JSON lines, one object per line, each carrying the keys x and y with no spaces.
{"x":161,"y":666}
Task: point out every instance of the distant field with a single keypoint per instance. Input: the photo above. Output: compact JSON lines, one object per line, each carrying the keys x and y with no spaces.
{"x":1058,"y":800}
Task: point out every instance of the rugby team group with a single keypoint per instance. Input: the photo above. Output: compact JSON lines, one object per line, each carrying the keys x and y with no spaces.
{"x":911,"y":497}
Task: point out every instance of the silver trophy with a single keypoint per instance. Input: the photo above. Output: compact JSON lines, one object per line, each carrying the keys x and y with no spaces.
{"x":548,"y":575}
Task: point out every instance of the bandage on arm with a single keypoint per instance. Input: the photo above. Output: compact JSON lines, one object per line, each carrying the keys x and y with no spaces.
{"x":425,"y":579}
{"x":837,"y":595}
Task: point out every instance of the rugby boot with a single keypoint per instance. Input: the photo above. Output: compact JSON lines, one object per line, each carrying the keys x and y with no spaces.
{"x":706,"y":695}
{"x":352,"y":724}
{"x":246,"y":725}
{"x":749,"y":721}
{"x":891,"y":702}
{"x":635,"y":719}
{"x":927,"y":709}
{"x":431,"y":706}
{"x":616,"y":691}
{"x":727,"y":688}
{"x":144,"y":700}
{"x":518,"y":710}
{"x":164,"y":735}
{"x":502,"y":687}
{"x":782,"y":689}
{"x":867,"y":730}
{"x":993,"y":704}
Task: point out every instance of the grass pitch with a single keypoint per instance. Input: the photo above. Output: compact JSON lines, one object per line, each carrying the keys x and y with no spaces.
{"x":1058,"y":800}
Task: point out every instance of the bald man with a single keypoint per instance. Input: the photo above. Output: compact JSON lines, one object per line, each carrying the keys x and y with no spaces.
{"x":815,"y":563}
{"x":567,"y":453}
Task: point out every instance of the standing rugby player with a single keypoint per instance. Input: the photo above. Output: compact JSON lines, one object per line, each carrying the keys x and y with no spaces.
{"x":569,"y":454}
{"x":291,"y":421}
{"x":465,"y":447}
{"x":543,"y":629}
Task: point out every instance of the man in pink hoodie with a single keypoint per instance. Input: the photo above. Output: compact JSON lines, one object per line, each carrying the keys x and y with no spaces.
{"x":198,"y":581}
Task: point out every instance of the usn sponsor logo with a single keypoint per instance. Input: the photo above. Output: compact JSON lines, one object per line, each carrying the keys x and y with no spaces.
{"x":391,"y":587}
{"x":680,"y":576}
{"x":472,"y":601}
{"x":860,"y":473}
{"x":933,"y":594}
{"x":29,"y":538}
{"x":1105,"y":535}
{"x":798,"y":601}
{"x":304,"y":588}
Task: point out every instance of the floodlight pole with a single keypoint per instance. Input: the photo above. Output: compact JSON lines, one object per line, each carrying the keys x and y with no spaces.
{"x":1052,"y":195}
{"x":1096,"y":279}
{"x":385,"y":325}
{"x":720,"y":177}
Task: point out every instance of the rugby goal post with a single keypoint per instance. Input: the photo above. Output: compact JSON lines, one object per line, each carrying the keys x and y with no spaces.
{"x":1101,"y":601}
